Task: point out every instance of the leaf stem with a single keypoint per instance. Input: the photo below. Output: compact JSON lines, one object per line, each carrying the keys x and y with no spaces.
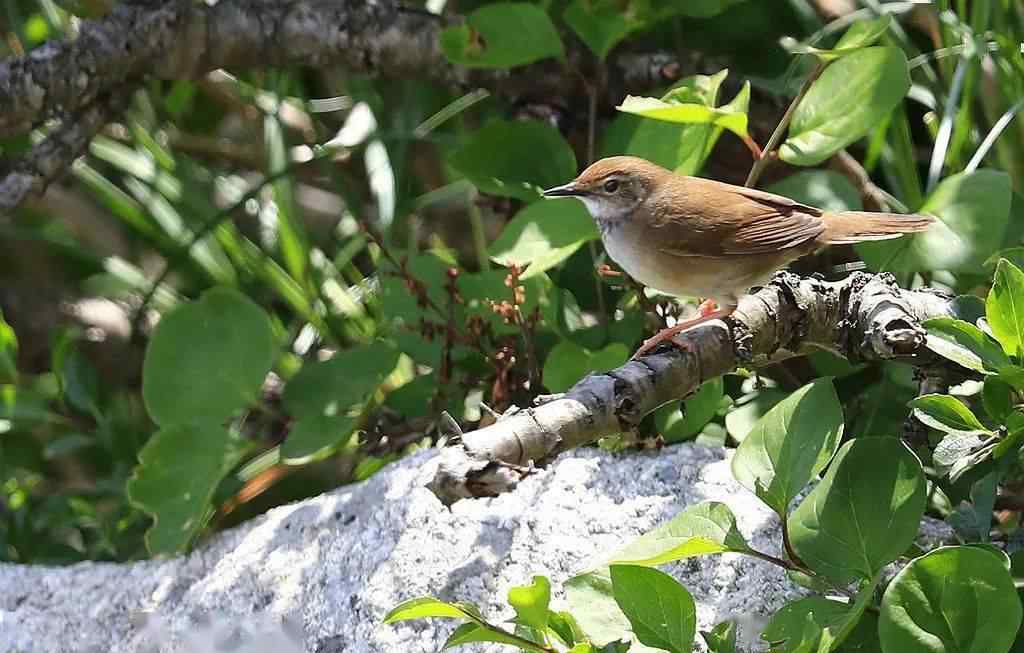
{"x":780,"y":129}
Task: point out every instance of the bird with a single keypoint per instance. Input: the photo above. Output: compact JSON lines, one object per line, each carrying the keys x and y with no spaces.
{"x":698,"y":237}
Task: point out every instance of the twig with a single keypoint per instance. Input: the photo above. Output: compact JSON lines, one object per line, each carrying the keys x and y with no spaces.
{"x":780,"y":129}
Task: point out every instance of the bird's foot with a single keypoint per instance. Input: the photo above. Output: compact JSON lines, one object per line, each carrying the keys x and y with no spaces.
{"x":708,"y":311}
{"x":605,"y":270}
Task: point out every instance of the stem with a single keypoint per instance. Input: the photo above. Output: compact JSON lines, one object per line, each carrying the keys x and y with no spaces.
{"x":780,"y":129}
{"x":789,"y":546}
{"x":479,"y":236}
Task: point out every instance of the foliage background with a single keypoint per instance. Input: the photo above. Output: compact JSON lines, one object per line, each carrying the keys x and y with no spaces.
{"x":338,"y":259}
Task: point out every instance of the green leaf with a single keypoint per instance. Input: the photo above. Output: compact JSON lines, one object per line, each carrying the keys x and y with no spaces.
{"x":567,"y":363}
{"x":825,"y":189}
{"x":861,"y":34}
{"x":601,"y":24}
{"x":790,"y":445}
{"x":946,"y":414}
{"x":590,"y":601}
{"x":475,"y":632}
{"x":207,"y":359}
{"x":863,"y":514}
{"x":675,"y":424}
{"x":682,"y":147}
{"x":817,"y":624}
{"x":692,"y":101}
{"x":179,"y":469}
{"x":315,"y":437}
{"x":660,"y":610}
{"x":326,"y":389}
{"x":997,"y":398}
{"x":973,"y":211}
{"x":701,"y":529}
{"x":542,"y":235}
{"x":850,"y":98}
{"x":1004,"y":307}
{"x":427,"y":606}
{"x":692,"y":8}
{"x":288,"y":226}
{"x":749,"y":409}
{"x":965,"y":344}
{"x":502,"y":159}
{"x":502,"y":35}
{"x":721,"y":638}
{"x":954,"y":599}
{"x":1014,"y":437}
{"x":79,"y":381}
{"x":531,"y":603}
{"x":8,"y":352}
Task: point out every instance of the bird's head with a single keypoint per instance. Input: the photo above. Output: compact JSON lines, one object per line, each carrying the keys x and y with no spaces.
{"x":612,"y":188}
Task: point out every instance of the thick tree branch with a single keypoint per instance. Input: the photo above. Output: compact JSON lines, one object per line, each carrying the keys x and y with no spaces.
{"x":863,"y":317}
{"x":49,"y":158}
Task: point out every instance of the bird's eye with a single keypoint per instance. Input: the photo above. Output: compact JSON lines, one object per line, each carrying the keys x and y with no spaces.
{"x":611,"y":186}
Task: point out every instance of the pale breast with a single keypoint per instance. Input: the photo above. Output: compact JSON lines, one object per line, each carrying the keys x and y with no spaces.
{"x":689,"y":276}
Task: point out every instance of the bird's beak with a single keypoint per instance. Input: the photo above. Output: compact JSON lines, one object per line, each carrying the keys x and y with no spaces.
{"x":565,"y":190}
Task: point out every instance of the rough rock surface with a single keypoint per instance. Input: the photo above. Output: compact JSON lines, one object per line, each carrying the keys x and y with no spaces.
{"x":319,"y":575}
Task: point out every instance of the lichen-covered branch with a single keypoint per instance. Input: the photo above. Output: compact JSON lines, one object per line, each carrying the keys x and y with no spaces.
{"x":50,"y":157}
{"x":863,"y":317}
{"x":184,"y":39}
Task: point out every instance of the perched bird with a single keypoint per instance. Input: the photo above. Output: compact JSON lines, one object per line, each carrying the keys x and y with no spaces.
{"x":702,"y":238}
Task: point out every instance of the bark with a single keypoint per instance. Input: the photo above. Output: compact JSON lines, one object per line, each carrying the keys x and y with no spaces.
{"x":863,"y":317}
{"x":184,"y":39}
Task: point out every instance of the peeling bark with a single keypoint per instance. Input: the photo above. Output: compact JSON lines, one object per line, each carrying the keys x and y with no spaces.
{"x":863,"y":317}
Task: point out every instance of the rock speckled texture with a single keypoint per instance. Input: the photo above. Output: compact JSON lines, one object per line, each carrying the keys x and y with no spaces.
{"x":318,"y":576}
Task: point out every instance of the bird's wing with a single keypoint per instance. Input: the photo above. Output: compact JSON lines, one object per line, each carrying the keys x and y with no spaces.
{"x":716,"y":220}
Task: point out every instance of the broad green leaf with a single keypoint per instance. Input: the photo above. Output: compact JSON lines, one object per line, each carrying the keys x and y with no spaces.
{"x":531,"y":603}
{"x":954,"y":599}
{"x":542,"y":235}
{"x":8,"y":352}
{"x":790,"y":445}
{"x":965,"y":344}
{"x":947,"y":414}
{"x":590,"y":601}
{"x":973,"y":211}
{"x":693,"y":8}
{"x":564,"y":626}
{"x":474,"y":632}
{"x":863,"y":514}
{"x":660,"y":610}
{"x":316,"y":436}
{"x":78,"y":379}
{"x":748,"y":411}
{"x":682,"y":147}
{"x":178,"y":471}
{"x":502,"y":158}
{"x":997,"y":398}
{"x":721,"y":638}
{"x":850,"y":98}
{"x":502,"y":35}
{"x":701,"y":529}
{"x":207,"y":359}
{"x":427,"y":606}
{"x":567,"y":363}
{"x":676,"y":424}
{"x":825,"y":189}
{"x":1004,"y":307}
{"x":326,"y":389}
{"x":816,"y":624}
{"x":693,"y":100}
{"x":972,"y":520}
{"x":601,"y":24}
{"x":861,"y":34}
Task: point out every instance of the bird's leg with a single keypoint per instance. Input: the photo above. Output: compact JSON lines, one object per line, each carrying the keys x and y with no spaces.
{"x":708,"y":311}
{"x":605,"y":270}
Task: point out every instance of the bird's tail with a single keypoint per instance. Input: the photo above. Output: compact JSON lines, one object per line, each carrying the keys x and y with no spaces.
{"x":847,"y":227}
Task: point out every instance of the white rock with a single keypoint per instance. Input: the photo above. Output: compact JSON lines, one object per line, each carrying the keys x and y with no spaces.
{"x":319,"y":575}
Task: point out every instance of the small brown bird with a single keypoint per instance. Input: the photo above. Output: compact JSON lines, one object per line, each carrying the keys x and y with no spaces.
{"x":702,"y":238}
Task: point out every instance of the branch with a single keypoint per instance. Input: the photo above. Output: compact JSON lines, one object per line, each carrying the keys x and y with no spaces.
{"x":863,"y":317}
{"x":47,"y":160}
